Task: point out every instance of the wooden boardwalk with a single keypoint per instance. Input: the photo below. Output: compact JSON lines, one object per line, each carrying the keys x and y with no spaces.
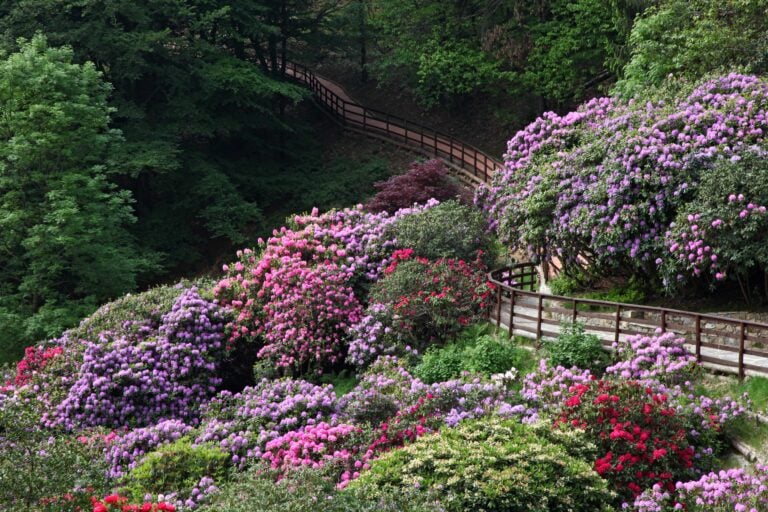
{"x":470,"y":164}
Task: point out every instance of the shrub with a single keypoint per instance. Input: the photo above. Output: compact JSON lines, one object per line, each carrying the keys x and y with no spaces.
{"x":179,"y":472}
{"x":384,"y":389}
{"x":117,"y":503}
{"x":449,"y":230}
{"x":724,"y":491}
{"x":432,"y":300}
{"x":646,"y":437}
{"x":308,"y":490}
{"x":38,"y":467}
{"x":421,"y":182}
{"x":574,"y":347}
{"x":485,"y":355}
{"x":243,"y":423}
{"x":126,"y":450}
{"x":491,"y":464}
{"x":135,"y":381}
{"x":662,"y":358}
{"x":441,"y":363}
{"x":607,"y":182}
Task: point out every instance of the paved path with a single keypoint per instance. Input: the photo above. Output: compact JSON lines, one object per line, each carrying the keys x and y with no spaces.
{"x":526,"y":327}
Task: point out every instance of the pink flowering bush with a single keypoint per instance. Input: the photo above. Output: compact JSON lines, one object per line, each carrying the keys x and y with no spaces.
{"x":316,"y":447}
{"x":663,"y":358}
{"x":606,"y":183}
{"x":299,"y":295}
{"x":729,"y":490}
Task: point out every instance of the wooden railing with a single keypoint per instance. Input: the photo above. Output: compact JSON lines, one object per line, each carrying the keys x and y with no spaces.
{"x":719,"y":342}
{"x":475,"y":165}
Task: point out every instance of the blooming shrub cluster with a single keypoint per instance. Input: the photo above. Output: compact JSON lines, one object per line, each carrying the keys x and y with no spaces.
{"x":663,"y":358}
{"x":724,"y":491}
{"x":299,"y":293}
{"x":607,"y":181}
{"x":242,"y":424}
{"x":125,"y":451}
{"x":430,"y":300}
{"x":35,"y":359}
{"x":117,"y":503}
{"x":134,"y":381}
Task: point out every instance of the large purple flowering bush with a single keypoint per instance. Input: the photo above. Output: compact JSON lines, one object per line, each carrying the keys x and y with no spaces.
{"x":668,"y":185}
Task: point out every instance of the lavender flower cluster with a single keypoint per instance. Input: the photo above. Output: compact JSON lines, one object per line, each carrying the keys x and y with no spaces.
{"x":732,"y":490}
{"x":243,"y":423}
{"x":611,"y":177}
{"x":135,"y":381}
{"x":663,"y":357}
{"x":125,"y":451}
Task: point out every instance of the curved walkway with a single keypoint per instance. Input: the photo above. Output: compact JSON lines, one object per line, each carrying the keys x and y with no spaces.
{"x":472,"y":165}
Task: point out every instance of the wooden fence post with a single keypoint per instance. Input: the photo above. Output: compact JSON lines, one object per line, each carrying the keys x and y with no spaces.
{"x":538,"y":322}
{"x":511,"y":314}
{"x":498,"y":308}
{"x":663,"y":321}
{"x":618,"y":325}
{"x":698,"y":338}
{"x":742,"y":337}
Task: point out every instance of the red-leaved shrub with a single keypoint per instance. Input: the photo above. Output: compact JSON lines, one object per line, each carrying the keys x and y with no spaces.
{"x":422,"y":182}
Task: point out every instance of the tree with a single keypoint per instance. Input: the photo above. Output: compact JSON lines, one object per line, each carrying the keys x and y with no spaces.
{"x":197,"y":101}
{"x":693,"y":38}
{"x":64,"y":237}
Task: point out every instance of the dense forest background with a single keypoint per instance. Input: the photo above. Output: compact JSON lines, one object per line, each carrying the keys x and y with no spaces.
{"x":143,"y":140}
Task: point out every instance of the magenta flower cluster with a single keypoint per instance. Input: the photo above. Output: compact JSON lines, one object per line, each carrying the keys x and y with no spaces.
{"x":606,"y":182}
{"x":298,"y":294}
{"x":243,"y":423}
{"x":135,"y":381}
{"x":662,"y":357}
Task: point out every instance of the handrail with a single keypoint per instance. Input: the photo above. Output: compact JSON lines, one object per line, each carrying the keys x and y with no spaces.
{"x":708,"y":333}
{"x":475,"y":165}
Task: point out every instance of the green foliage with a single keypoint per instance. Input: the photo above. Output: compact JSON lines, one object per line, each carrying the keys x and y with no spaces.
{"x":485,"y":354}
{"x":64,"y":236}
{"x":557,"y":49}
{"x":563,"y":285}
{"x":441,"y":363}
{"x":631,"y":292}
{"x":307,"y":490}
{"x":574,"y":347}
{"x":494,"y":464}
{"x":448,"y":230}
{"x":38,"y":464}
{"x":179,"y":465}
{"x":693,"y":38}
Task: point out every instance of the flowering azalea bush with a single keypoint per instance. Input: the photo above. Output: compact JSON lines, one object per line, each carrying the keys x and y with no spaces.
{"x":663,"y":358}
{"x":117,"y":503}
{"x":724,"y":491}
{"x":302,"y":291}
{"x":124,"y":451}
{"x":432,"y":300}
{"x":35,"y":359}
{"x":134,"y":381}
{"x":606,"y":182}
{"x":243,"y":423}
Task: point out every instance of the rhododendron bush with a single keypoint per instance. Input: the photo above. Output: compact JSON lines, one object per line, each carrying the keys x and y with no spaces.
{"x":608,"y":182}
{"x":725,"y":491}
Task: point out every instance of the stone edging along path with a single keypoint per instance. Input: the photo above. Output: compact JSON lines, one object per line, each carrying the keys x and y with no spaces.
{"x":475,"y":167}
